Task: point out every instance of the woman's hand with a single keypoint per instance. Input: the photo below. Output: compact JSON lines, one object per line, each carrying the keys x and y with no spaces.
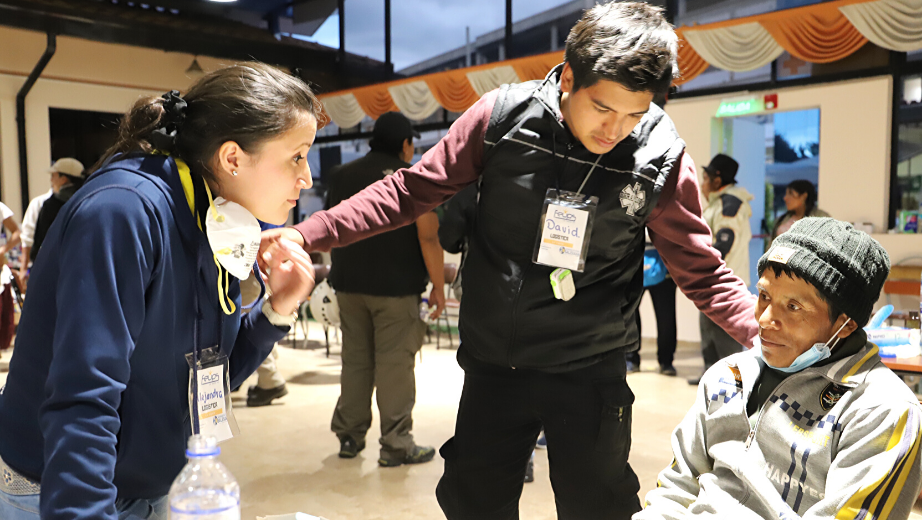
{"x":289,"y":274}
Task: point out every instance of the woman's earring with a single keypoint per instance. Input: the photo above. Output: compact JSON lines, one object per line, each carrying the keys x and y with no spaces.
{"x":234,"y":173}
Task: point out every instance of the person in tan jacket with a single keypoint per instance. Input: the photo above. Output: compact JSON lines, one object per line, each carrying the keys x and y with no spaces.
{"x":727,"y":214}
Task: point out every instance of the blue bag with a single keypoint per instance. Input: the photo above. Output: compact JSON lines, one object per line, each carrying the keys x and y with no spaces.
{"x":654,"y":270}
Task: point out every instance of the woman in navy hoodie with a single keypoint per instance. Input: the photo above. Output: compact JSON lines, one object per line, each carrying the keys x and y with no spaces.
{"x":140,"y":269}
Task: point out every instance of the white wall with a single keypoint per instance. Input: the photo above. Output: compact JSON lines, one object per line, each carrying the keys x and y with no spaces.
{"x":82,"y":75}
{"x":44,"y":95}
{"x":854,"y":171}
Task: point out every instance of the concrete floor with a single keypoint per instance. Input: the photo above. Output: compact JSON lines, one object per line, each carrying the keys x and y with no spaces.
{"x":286,"y":457}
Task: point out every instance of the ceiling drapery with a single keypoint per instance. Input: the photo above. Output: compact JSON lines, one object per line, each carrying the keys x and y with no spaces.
{"x":820,"y":33}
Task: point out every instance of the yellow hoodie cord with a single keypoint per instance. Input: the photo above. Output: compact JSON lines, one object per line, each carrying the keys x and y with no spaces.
{"x":185,"y":177}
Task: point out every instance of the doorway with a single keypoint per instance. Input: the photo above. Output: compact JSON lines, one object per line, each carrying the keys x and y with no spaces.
{"x":81,"y":134}
{"x":773,"y":150}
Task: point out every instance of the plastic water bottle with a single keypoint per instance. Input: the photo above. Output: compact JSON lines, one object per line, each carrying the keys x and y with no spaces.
{"x":424,"y":313}
{"x":204,"y":489}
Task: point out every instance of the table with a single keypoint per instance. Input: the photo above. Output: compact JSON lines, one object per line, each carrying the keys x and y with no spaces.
{"x":909,"y":370}
{"x":905,"y":366}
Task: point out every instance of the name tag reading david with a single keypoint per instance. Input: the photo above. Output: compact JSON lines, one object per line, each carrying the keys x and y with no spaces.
{"x":565,"y":230}
{"x":562,"y":237}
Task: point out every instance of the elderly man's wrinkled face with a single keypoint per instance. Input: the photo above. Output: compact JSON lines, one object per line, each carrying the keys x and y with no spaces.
{"x":792,"y":318}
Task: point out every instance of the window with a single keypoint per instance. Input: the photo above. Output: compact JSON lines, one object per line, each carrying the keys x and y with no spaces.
{"x":773,"y":150}
{"x":908,"y":186}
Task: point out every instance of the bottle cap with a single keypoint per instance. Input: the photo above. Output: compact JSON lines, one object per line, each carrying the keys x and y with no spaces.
{"x":202,"y":446}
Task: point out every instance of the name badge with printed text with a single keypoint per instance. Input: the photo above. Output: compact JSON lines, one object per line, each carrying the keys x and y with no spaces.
{"x":212,"y":413}
{"x":566,"y":226}
{"x":210,"y":399}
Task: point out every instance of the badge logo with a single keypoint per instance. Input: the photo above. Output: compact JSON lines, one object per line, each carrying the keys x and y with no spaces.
{"x":564,"y":215}
{"x":781,"y":255}
{"x":633,"y":198}
{"x":831,"y":395}
{"x":737,"y":376}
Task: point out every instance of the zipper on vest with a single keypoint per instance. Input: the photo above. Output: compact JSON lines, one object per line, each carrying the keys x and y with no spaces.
{"x":515,"y":313}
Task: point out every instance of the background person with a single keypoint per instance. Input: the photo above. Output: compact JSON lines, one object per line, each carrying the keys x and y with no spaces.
{"x":68,"y":166}
{"x":7,"y":317}
{"x":727,"y":215}
{"x":378,"y":284}
{"x":800,"y":201}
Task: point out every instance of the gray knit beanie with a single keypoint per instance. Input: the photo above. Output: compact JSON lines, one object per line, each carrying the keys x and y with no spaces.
{"x":846,"y":265}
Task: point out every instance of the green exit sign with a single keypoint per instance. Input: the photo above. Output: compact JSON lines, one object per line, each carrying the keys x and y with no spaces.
{"x":740,"y":107}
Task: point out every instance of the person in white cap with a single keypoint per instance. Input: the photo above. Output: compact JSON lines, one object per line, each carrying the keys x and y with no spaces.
{"x":67,"y":175}
{"x":65,"y":166}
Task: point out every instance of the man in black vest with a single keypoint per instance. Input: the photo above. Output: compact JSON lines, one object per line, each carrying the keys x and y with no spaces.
{"x":584,"y":144}
{"x":67,"y":176}
{"x":378,"y":284}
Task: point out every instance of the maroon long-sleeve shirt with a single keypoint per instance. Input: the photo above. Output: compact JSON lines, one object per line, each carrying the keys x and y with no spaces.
{"x":675,"y":226}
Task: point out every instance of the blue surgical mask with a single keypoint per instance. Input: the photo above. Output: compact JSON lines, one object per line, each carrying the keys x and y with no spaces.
{"x":814,"y":355}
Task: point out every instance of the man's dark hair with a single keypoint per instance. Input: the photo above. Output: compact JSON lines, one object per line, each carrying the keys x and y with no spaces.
{"x":780,"y":269}
{"x":390,"y":147}
{"x":630,"y":43}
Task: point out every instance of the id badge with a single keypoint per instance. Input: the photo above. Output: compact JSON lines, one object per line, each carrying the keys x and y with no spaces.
{"x":566,"y":225}
{"x":212,"y":402}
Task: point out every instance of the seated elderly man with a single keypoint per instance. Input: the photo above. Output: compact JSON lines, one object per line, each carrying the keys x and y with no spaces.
{"x":809,"y":423}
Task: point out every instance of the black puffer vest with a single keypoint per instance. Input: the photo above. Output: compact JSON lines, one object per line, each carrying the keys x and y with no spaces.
{"x":509,"y":315}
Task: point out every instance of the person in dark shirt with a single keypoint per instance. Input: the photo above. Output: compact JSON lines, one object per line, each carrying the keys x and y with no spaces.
{"x":67,"y":175}
{"x":378,"y":283}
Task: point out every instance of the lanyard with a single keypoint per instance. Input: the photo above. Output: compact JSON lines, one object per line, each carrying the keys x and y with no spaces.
{"x":189,"y":189}
{"x":566,"y":160}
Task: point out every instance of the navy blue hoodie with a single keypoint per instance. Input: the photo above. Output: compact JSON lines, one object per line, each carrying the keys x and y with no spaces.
{"x":96,"y":403}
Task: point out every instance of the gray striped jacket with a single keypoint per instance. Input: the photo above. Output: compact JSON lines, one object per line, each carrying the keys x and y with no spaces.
{"x":837,"y":441}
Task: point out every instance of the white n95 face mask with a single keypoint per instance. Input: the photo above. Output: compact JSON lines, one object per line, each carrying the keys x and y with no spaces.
{"x":234,"y":236}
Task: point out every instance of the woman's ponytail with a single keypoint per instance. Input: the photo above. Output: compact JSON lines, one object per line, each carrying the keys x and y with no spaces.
{"x":135,"y":128}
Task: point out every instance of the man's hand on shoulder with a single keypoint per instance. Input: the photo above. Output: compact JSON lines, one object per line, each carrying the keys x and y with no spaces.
{"x":269,"y":244}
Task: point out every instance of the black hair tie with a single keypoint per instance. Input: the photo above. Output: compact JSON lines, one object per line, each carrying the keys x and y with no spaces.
{"x":163,"y":138}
